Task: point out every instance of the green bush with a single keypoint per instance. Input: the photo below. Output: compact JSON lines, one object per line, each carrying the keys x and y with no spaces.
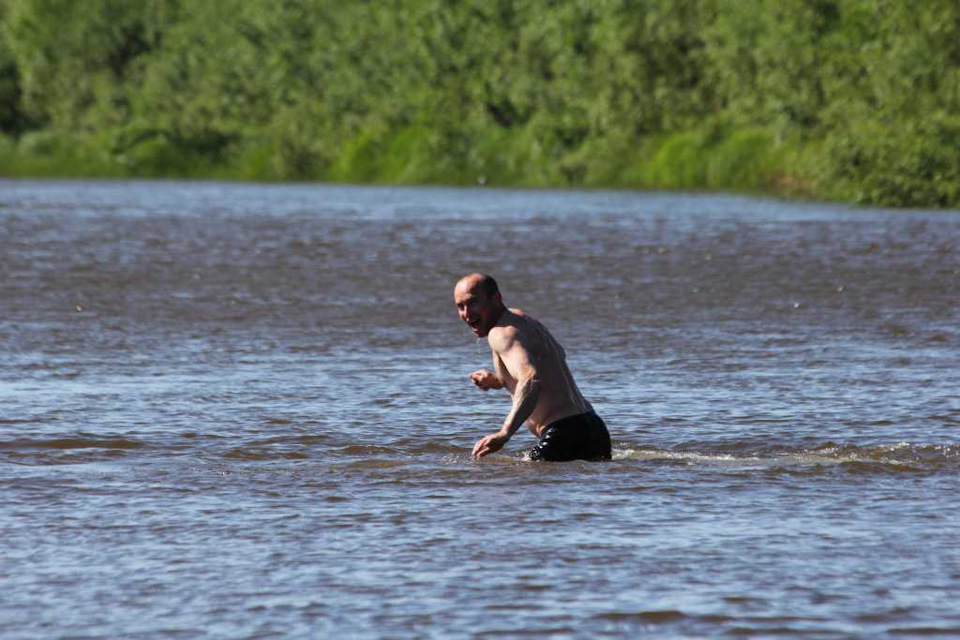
{"x":679,"y":163}
{"x":824,"y":98}
{"x":907,"y":164}
{"x":746,"y":160}
{"x":58,"y":154}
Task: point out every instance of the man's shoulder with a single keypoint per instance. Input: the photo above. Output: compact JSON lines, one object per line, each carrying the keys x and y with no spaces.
{"x":504,"y":331}
{"x":502,"y":336}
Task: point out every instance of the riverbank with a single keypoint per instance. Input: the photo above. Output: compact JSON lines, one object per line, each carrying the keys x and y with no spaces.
{"x":856,"y":101}
{"x":742,"y":160}
{"x":747,"y":160}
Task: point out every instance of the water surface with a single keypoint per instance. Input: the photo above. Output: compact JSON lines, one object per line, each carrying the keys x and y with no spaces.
{"x":242,"y":410}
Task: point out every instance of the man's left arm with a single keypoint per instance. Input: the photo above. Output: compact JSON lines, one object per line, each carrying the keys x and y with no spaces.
{"x":516,"y":358}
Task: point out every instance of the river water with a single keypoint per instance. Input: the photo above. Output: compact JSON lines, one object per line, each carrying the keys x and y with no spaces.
{"x":239,"y":410}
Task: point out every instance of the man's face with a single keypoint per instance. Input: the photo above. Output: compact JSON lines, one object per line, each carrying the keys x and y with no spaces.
{"x":476,"y":308}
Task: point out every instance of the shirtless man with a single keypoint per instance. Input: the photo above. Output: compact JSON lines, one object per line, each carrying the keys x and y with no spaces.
{"x":533,"y":368}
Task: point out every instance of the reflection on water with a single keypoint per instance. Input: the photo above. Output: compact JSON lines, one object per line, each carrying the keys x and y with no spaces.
{"x":241,"y":410}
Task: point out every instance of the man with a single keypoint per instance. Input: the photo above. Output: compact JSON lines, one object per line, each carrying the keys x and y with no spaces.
{"x":533,"y":368}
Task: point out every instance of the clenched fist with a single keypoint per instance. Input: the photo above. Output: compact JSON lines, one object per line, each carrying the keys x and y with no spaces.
{"x":486,"y":380}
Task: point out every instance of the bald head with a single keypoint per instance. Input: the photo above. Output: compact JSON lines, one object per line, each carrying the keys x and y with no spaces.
{"x":480,"y":282}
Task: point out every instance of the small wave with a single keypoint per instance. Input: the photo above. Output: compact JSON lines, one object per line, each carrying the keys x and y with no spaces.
{"x":67,"y":450}
{"x":308,"y":440}
{"x":653,"y":617}
{"x":370,"y":463}
{"x":69,"y":444}
{"x":369,"y":450}
{"x":903,"y":454}
{"x":899,"y":457}
{"x":947,"y":631}
{"x":690,"y":457}
{"x":254,"y":454}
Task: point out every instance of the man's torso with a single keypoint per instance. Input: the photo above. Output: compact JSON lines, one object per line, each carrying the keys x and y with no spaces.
{"x":559,"y":396}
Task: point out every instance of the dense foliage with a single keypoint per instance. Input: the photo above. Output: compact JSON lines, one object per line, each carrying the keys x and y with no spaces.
{"x":851,"y":99}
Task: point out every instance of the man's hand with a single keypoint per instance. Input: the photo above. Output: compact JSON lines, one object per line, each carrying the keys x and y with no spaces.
{"x":486,"y":380}
{"x":490,"y":443}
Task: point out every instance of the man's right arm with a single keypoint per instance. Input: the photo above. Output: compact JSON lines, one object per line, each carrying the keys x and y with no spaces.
{"x":509,"y":347}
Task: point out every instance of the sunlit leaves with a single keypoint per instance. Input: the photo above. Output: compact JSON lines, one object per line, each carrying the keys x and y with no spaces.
{"x":671,"y":93}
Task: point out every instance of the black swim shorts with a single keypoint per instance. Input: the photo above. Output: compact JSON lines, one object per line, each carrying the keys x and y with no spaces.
{"x":580,"y":437}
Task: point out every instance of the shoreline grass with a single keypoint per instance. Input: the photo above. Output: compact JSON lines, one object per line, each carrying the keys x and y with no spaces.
{"x":747,"y":160}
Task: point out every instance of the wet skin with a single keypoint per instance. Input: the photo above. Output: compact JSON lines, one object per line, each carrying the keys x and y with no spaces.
{"x":527,"y":361}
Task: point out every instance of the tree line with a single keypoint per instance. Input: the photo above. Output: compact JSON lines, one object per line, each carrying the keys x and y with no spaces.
{"x":857,"y":100}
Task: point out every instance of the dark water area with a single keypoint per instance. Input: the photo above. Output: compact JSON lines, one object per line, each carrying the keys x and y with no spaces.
{"x":239,"y":410}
